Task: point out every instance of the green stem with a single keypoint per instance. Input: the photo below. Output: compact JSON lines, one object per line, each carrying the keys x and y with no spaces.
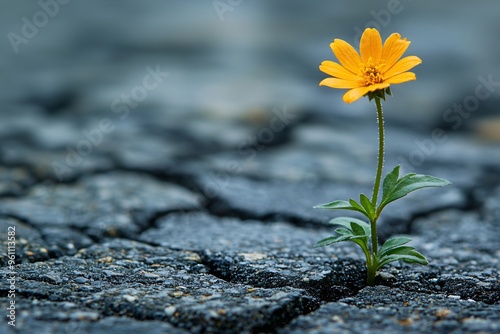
{"x":370,"y":280}
{"x":372,"y":265}
{"x":380,"y":120}
{"x":371,"y":269}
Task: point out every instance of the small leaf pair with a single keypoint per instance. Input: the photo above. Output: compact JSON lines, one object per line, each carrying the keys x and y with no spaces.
{"x":393,"y":189}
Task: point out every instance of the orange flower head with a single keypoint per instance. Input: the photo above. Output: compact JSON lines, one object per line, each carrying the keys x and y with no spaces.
{"x":375,"y":68}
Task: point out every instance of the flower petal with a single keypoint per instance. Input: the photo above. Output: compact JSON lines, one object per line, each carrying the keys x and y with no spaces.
{"x":402,"y":65}
{"x":346,"y":55}
{"x":371,"y":46}
{"x":401,"y":77}
{"x":336,"y":70}
{"x":340,"y":83}
{"x":393,"y":49}
{"x":356,"y":93}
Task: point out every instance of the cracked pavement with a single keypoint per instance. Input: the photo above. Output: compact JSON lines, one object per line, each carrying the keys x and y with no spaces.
{"x":196,"y":217}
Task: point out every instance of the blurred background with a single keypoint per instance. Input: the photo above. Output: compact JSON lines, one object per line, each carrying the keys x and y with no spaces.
{"x":191,"y":86}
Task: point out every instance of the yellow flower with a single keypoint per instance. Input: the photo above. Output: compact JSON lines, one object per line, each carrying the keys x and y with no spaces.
{"x":375,"y":69}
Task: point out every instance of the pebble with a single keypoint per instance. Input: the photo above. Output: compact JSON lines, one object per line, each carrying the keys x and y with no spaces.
{"x":81,"y":280}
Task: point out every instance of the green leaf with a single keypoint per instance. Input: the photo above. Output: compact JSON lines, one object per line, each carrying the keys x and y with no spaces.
{"x":393,"y":243}
{"x":346,"y":222}
{"x":361,"y":232}
{"x":336,"y":205}
{"x":407,"y":184}
{"x":390,"y":182}
{"x":332,"y":240}
{"x":421,"y":259}
{"x":401,"y":250}
{"x":367,"y":205}
{"x":357,"y":206}
{"x":410,"y":257}
{"x":343,"y":205}
{"x":344,"y":231}
{"x":358,"y":230}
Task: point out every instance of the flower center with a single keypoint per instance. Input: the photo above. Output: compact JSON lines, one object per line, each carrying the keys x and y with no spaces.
{"x":371,"y":73}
